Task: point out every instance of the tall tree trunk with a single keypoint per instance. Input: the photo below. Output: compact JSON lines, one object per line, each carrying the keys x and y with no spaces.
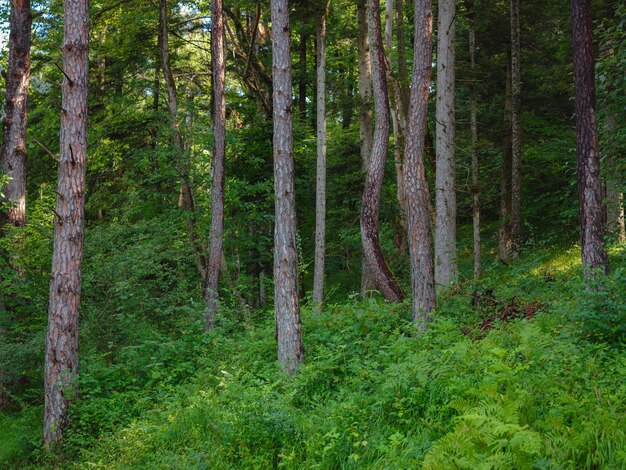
{"x":216,"y":234}
{"x":13,"y":150}
{"x":516,"y":131}
{"x":418,"y":220}
{"x":504,"y":229}
{"x":401,"y":47}
{"x":286,"y":303}
{"x":61,"y":359}
{"x":320,"y":191}
{"x":474,"y":134}
{"x":445,"y":229}
{"x":614,"y":196}
{"x":592,"y":244}
{"x":370,"y":202}
{"x":302,"y":77}
{"x":366,"y":128}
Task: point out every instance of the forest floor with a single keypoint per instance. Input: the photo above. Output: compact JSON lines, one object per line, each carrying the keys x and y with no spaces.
{"x":524,"y":369}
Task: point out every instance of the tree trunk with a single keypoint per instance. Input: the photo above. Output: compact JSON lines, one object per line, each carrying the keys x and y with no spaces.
{"x":615,"y":212}
{"x":516,"y":132}
{"x":592,"y":244}
{"x":418,"y":220}
{"x":401,"y":47}
{"x":504,"y":229}
{"x":216,"y":234}
{"x":320,"y":192}
{"x":61,"y":360}
{"x":445,"y":229}
{"x":302,"y":77}
{"x":13,"y":150}
{"x":370,"y":202}
{"x":366,"y":128}
{"x":474,"y":136}
{"x":286,"y":303}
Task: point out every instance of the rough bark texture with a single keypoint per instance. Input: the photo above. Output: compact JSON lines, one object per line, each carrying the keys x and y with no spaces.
{"x":592,"y":244}
{"x":216,"y":233}
{"x":474,"y":136}
{"x":13,"y":150}
{"x":320,"y":191}
{"x":286,"y":303}
{"x":366,"y":128}
{"x":516,"y":132}
{"x":61,"y":359}
{"x":445,"y":229}
{"x":416,"y":187}
{"x":504,"y":229}
{"x":370,"y":202}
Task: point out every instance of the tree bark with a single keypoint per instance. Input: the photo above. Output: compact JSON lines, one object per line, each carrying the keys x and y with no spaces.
{"x":286,"y":303}
{"x":445,"y":229}
{"x":418,"y":219}
{"x":13,"y":150}
{"x":516,"y":131}
{"x":320,"y":191}
{"x":216,"y":234}
{"x":302,"y":77}
{"x":474,"y":138}
{"x":504,"y":229}
{"x":366,"y":128}
{"x":370,"y":202}
{"x":592,"y":244}
{"x":61,"y":359}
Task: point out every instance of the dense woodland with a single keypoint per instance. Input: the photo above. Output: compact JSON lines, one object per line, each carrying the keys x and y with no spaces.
{"x":313,"y":234}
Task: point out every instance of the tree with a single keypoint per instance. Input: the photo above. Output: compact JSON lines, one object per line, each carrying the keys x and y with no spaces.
{"x":474,"y":143}
{"x":320,"y":191}
{"x":286,"y":302}
{"x":61,"y":359}
{"x":504,"y":228}
{"x":516,"y":131}
{"x":445,"y":197}
{"x":592,"y":244}
{"x":416,"y":187}
{"x":13,"y":150}
{"x":370,"y":202}
{"x":216,"y":233}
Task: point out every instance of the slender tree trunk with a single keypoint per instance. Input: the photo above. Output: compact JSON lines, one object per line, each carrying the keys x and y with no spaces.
{"x":320,"y":192}
{"x":401,"y":47}
{"x":366,"y":128}
{"x":61,"y":359}
{"x":474,"y":134}
{"x":286,"y":303}
{"x":614,"y":195}
{"x":370,"y":202}
{"x":504,"y":229}
{"x":13,"y":150}
{"x":302,"y":77}
{"x":216,"y":233}
{"x":445,"y":229}
{"x":592,"y":244}
{"x":516,"y":131}
{"x":418,"y":220}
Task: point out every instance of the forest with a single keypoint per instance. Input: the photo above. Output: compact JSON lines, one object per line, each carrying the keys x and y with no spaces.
{"x":333,"y":234}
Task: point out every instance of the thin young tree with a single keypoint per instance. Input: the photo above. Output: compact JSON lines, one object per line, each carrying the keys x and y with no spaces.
{"x":13,"y":150}
{"x":474,"y":138}
{"x":216,"y":233}
{"x":286,"y":302}
{"x":516,"y":131}
{"x":416,"y":187}
{"x":504,"y":228}
{"x":370,"y":202}
{"x":61,"y":358}
{"x":445,"y":197}
{"x":320,"y":190}
{"x":592,"y":243}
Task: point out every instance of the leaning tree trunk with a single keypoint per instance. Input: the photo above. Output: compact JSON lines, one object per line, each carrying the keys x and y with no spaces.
{"x":61,"y":359}
{"x":516,"y":132}
{"x":370,"y":202}
{"x":320,"y":191}
{"x":445,"y":229}
{"x":504,"y":228}
{"x":592,"y":244}
{"x":418,"y":219}
{"x":13,"y":150}
{"x":474,"y":135}
{"x":286,"y":303}
{"x":216,"y":233}
{"x":366,"y":128}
